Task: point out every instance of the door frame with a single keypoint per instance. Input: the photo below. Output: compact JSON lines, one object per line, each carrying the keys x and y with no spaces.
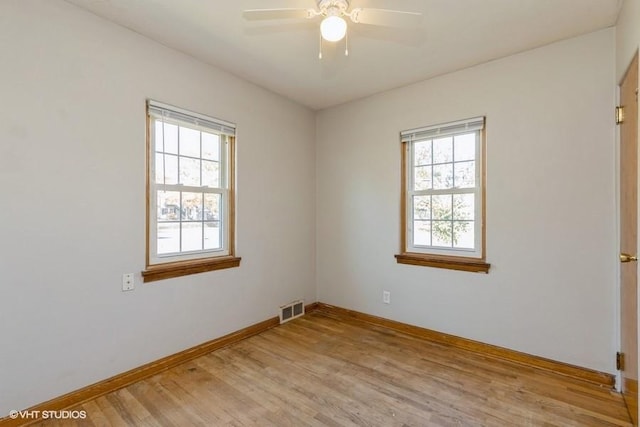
{"x":618,"y":309}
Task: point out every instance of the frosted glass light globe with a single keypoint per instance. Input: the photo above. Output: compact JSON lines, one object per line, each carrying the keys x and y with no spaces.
{"x":333,"y":28}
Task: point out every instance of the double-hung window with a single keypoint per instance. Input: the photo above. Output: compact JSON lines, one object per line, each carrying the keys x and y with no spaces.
{"x":190,"y":193}
{"x":443,"y":196}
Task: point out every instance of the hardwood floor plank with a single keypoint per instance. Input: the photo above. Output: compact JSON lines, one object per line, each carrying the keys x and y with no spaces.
{"x":110,"y":412}
{"x":372,"y":370}
{"x":368,"y":367}
{"x":327,"y":370}
{"x":559,"y":393}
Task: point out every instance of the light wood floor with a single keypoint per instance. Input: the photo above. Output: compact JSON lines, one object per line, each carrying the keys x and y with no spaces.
{"x":323,"y":371}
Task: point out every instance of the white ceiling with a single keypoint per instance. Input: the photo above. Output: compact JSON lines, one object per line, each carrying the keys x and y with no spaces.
{"x":282,"y":56}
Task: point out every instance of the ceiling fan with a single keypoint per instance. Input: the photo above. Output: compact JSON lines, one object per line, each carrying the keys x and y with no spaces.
{"x":333,"y":26}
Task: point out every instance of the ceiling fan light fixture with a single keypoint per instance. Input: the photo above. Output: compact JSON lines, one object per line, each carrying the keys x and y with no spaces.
{"x":333,"y":28}
{"x":334,"y":13}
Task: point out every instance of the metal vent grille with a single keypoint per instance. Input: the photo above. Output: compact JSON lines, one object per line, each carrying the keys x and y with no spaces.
{"x":291,"y":311}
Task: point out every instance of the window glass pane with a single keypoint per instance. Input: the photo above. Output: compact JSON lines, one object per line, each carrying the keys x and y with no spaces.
{"x":422,"y":233}
{"x":189,"y":142}
{"x":166,"y":137}
{"x":167,"y":166}
{"x":463,"y":234}
{"x":443,"y":150}
{"x":212,"y":207}
{"x":464,"y":206}
{"x":422,"y":178}
{"x":159,"y":165}
{"x":210,"y":146}
{"x":422,"y":207}
{"x":191,"y":236}
{"x":157,"y":135}
{"x":465,"y":147}
{"x":442,"y":234}
{"x":171,"y":169}
{"x":168,"y":240}
{"x":168,"y":205}
{"x":192,"y":206}
{"x":212,"y":233}
{"x":189,"y":171}
{"x":441,"y":207}
{"x":210,"y":174}
{"x":443,"y":176}
{"x":422,"y":153}
{"x":465,"y":174}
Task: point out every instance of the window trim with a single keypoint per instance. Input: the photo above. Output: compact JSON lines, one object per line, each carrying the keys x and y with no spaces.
{"x":472,"y":263}
{"x":155,"y":269}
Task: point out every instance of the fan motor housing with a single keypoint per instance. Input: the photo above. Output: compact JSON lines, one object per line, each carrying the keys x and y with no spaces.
{"x":342,"y":5}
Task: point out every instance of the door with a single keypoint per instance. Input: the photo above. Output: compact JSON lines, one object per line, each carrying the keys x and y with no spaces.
{"x":629,"y":238}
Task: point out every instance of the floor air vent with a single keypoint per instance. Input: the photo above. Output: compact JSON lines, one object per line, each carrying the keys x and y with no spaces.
{"x":291,"y":311}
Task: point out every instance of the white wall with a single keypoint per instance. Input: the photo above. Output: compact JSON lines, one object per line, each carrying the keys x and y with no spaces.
{"x":550,"y":204}
{"x":72,"y":168}
{"x":72,"y":164}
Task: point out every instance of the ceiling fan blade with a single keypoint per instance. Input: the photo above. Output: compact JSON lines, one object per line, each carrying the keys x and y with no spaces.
{"x":386,"y":17}
{"x":265,"y":14}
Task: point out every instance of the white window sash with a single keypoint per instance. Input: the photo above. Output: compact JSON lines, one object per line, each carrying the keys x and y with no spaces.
{"x":477,"y":190}
{"x":170,"y":114}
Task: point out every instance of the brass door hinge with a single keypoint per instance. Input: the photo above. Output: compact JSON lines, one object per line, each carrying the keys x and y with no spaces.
{"x":620,"y":361}
{"x":619,"y":115}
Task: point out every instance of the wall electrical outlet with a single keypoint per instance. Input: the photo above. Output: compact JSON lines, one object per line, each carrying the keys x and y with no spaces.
{"x":386,"y":297}
{"x":128,"y":283}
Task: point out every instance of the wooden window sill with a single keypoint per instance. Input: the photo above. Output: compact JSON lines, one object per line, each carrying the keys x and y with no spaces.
{"x":448,"y":262}
{"x":185,"y":268}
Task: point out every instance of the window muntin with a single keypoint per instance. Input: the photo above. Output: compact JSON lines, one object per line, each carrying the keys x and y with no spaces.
{"x":444,"y":189}
{"x":189,"y":185}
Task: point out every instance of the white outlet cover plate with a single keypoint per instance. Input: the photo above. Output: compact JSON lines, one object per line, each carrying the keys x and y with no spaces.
{"x":128,"y":283}
{"x":386,"y":297}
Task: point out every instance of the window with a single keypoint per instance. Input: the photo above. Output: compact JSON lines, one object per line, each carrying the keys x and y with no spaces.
{"x":443,"y":196}
{"x":190,"y":193}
